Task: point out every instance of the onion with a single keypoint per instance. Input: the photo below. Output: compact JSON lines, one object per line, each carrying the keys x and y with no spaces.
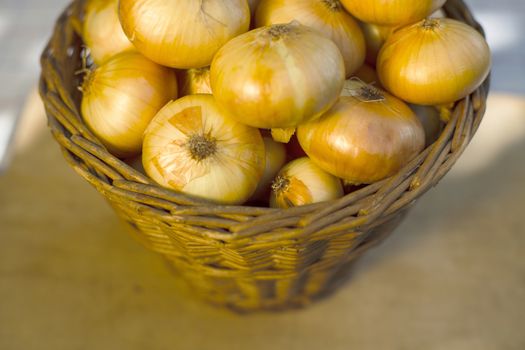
{"x":278,"y":76}
{"x":183,"y":33}
{"x":193,"y":146}
{"x":375,"y":38}
{"x":392,"y":12}
{"x":120,"y":98}
{"x":429,"y":117}
{"x":274,"y":160}
{"x":325,"y":16}
{"x":102,"y":31}
{"x":365,"y":137}
{"x":366,"y":74}
{"x":301,"y":182}
{"x":195,"y":81}
{"x":434,"y":62}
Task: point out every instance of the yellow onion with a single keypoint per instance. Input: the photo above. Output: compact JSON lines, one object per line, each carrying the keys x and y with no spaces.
{"x":274,"y":160}
{"x":102,"y":31}
{"x":392,"y":12}
{"x":365,"y":74}
{"x":120,"y":98}
{"x":194,"y":81}
{"x":434,"y":62}
{"x":183,"y":33}
{"x":194,"y":146}
{"x":325,"y":16}
{"x":375,"y":38}
{"x":278,"y":76}
{"x":301,"y":182}
{"x":429,"y":116}
{"x":365,"y":137}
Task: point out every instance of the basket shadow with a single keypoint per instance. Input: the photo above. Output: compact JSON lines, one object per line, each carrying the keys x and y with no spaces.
{"x":491,"y":198}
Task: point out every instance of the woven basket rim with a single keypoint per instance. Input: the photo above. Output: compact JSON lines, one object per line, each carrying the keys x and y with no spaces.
{"x":363,"y":208}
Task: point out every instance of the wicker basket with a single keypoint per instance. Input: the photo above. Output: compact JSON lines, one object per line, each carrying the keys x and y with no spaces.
{"x":246,"y":258}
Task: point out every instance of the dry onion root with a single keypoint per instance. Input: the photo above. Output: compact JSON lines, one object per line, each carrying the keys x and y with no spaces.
{"x":194,"y":146}
{"x":120,"y":98}
{"x":365,"y":137}
{"x":183,"y":33}
{"x":278,"y":76}
{"x":325,"y":16}
{"x":301,"y":182}
{"x":434,"y":62}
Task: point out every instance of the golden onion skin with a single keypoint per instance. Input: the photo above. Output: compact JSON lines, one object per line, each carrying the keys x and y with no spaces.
{"x":193,"y":146}
{"x":183,"y":33}
{"x":429,"y":117}
{"x":302,"y":182}
{"x":121,"y":97}
{"x":102,"y":32}
{"x":434,"y":62}
{"x":375,"y":38}
{"x":328,"y":17}
{"x":278,"y":76}
{"x":274,"y":161}
{"x":392,"y":12}
{"x":194,"y":81}
{"x":363,"y":140}
{"x":366,"y":74}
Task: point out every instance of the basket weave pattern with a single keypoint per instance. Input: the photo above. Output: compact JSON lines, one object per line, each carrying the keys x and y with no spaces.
{"x":244,"y":257}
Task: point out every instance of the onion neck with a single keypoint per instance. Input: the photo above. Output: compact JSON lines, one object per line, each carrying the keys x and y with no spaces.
{"x":333,"y":5}
{"x":368,"y":93}
{"x":201,"y":147}
{"x":430,"y":24}
{"x":278,"y":31}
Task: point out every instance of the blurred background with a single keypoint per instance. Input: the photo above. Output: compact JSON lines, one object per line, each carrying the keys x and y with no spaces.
{"x":451,"y":277}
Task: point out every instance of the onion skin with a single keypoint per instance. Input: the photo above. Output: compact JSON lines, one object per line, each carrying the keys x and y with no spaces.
{"x":159,"y":29}
{"x":328,"y":17}
{"x":366,"y":74}
{"x":302,"y":182}
{"x":102,"y":31}
{"x":392,"y":12}
{"x":275,"y":160}
{"x":278,"y":76}
{"x":194,"y":146}
{"x":362,"y":141}
{"x":429,"y":117}
{"x":375,"y":38}
{"x":194,"y":81}
{"x":122,"y":96}
{"x":434,"y":62}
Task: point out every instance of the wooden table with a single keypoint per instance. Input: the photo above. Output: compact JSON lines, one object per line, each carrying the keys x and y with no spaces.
{"x":452,"y":276}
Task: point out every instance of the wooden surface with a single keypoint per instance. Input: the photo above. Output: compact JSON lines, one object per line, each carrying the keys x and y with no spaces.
{"x":451,"y":277}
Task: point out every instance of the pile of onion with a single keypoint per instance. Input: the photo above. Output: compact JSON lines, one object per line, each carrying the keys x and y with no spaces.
{"x":276,"y":102}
